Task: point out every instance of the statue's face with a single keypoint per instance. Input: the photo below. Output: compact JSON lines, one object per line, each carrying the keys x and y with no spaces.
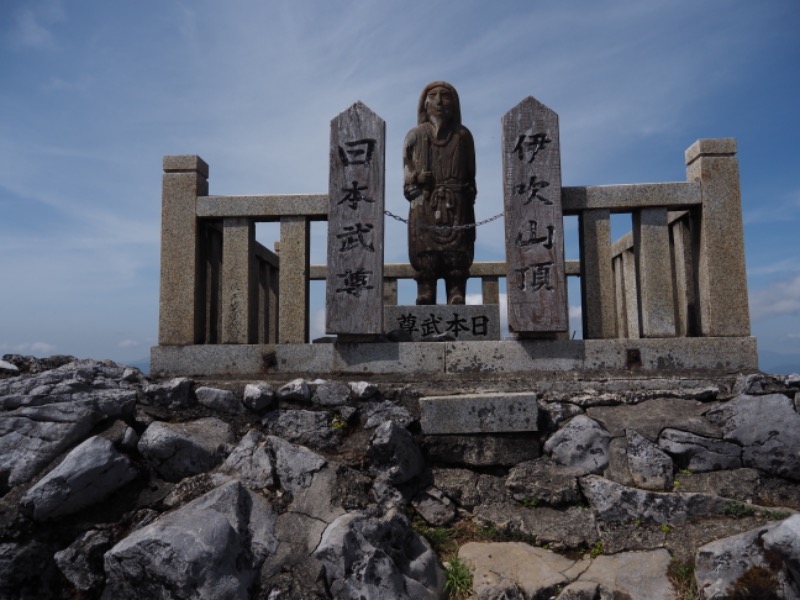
{"x":439,"y":102}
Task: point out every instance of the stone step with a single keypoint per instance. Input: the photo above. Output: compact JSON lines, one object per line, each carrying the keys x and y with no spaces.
{"x":478,"y":413}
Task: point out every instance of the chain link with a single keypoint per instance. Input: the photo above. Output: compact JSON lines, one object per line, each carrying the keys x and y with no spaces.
{"x":446,"y":227}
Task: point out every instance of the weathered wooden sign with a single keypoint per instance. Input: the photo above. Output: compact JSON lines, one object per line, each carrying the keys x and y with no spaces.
{"x":354,"y":290}
{"x":537,"y":292}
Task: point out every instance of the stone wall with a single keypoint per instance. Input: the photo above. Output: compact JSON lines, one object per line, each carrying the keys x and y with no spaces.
{"x":115,"y":486}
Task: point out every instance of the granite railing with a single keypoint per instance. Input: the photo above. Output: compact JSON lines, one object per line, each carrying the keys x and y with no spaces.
{"x":680,"y":272}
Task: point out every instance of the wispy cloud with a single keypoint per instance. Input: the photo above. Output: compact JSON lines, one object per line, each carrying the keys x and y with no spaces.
{"x":32,"y":24}
{"x":778,"y":299}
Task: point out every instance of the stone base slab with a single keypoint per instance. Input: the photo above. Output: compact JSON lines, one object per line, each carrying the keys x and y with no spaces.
{"x":478,"y":413}
{"x":436,"y":359}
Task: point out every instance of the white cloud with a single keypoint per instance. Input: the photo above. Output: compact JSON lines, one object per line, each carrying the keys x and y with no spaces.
{"x":779,"y":298}
{"x":32,"y":24}
{"x":128,"y":344}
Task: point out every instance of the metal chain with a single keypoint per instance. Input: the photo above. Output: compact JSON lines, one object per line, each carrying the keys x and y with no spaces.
{"x":446,"y":227}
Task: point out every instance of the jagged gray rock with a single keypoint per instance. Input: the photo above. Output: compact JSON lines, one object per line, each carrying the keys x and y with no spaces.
{"x":209,"y":549}
{"x":82,"y":561}
{"x":251,"y":462}
{"x":649,"y":418}
{"x":331,"y":393}
{"x":723,"y":565}
{"x":467,"y":488}
{"x":480,"y":450}
{"x":363,"y":390}
{"x":224,"y":401}
{"x":698,"y":453}
{"x":304,"y":427}
{"x":433,"y":506}
{"x":380,"y":412}
{"x":613,"y":502}
{"x":296,"y":390}
{"x":394,"y":452}
{"x":173,"y":394}
{"x":582,"y":443}
{"x":650,"y":467}
{"x":784,"y":538}
{"x":768,"y":428}
{"x":258,"y":397}
{"x":543,"y":481}
{"x":379,"y":557}
{"x":88,"y":474}
{"x":178,"y":450}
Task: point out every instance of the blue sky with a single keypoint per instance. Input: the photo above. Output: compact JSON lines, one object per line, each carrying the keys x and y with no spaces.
{"x":93,"y":94}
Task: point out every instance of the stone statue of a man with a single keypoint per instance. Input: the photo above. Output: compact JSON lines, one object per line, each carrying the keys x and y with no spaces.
{"x":439,"y":181}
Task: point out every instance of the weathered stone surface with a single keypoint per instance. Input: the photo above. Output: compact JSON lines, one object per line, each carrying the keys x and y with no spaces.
{"x":433,"y":506}
{"x":87,"y":475}
{"x":768,"y":428}
{"x":304,"y":427}
{"x":209,"y":549}
{"x":379,"y":557}
{"x":650,"y":468}
{"x":698,"y":453}
{"x":722,"y":564}
{"x":632,"y":575}
{"x":82,"y":561}
{"x":258,"y":397}
{"x":652,"y":416}
{"x":363,"y":390}
{"x":460,"y":322}
{"x":480,"y":450}
{"x":469,"y":489}
{"x":617,"y":503}
{"x":568,"y":529}
{"x":545,"y":482}
{"x":173,"y":394}
{"x":32,"y":436}
{"x":552,"y":414}
{"x":331,"y":393}
{"x":393,"y":450}
{"x":514,"y":570}
{"x":296,"y":389}
{"x":378,"y":412}
{"x":251,"y":462}
{"x":479,"y":413}
{"x":27,"y":571}
{"x":738,"y":484}
{"x":219,"y":400}
{"x":177,"y":450}
{"x":617,"y":469}
{"x":295,"y":465}
{"x":784,"y":539}
{"x":582,"y":443}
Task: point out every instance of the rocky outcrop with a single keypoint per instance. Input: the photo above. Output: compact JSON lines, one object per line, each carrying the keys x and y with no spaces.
{"x":114,"y":486}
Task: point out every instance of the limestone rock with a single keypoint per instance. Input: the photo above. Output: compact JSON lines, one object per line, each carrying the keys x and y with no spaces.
{"x":82,"y":561}
{"x":379,"y":557}
{"x":395,"y":454}
{"x":258,"y":397}
{"x":33,"y":436}
{"x":514,"y":570}
{"x":27,"y":571}
{"x":467,"y":488}
{"x":650,"y":468}
{"x":304,"y":427}
{"x":613,"y":502}
{"x":209,"y":549}
{"x":296,"y":390}
{"x":377,"y":413}
{"x":651,"y":416}
{"x":700,"y":454}
{"x":295,"y":466}
{"x":251,"y":462}
{"x":173,"y":394}
{"x":734,"y":564}
{"x":582,"y":443}
{"x":433,"y":506}
{"x":545,"y":482}
{"x":223,"y":401}
{"x":768,"y":428}
{"x":632,"y":575}
{"x":331,"y":393}
{"x":485,"y":450}
{"x":784,"y":538}
{"x":88,"y":474}
{"x":363,"y":390}
{"x":178,"y":450}
{"x":617,"y":469}
{"x":568,"y":529}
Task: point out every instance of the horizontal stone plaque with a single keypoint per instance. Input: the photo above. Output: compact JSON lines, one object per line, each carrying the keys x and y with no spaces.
{"x":465,"y":322}
{"x":478,"y":413}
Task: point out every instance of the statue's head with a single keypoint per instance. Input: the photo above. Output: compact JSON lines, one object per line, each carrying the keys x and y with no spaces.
{"x":441,"y":99}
